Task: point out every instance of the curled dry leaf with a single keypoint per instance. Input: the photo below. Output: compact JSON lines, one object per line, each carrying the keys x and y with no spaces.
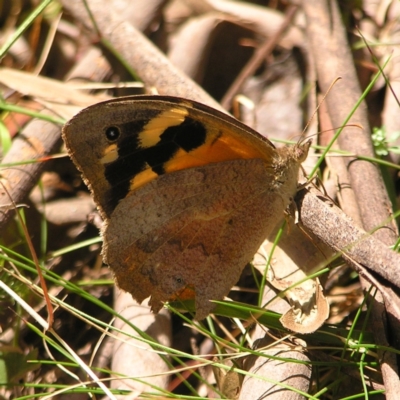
{"x":200,"y":45}
{"x":293,"y":259}
{"x":263,"y":20}
{"x":229,"y":381}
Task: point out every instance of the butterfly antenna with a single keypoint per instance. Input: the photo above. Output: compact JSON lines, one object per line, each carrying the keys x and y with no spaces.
{"x":319,"y":104}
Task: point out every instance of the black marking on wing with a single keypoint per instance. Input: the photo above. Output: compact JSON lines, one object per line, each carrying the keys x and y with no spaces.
{"x":189,"y":135}
{"x":133,"y":159}
{"x":129,"y":163}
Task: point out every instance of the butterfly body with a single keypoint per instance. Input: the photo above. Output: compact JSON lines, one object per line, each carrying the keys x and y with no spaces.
{"x":187,"y":193}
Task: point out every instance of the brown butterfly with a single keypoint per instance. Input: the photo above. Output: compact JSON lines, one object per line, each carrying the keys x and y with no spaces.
{"x":187,"y":193}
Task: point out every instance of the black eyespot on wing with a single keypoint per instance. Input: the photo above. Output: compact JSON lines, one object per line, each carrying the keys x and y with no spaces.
{"x":112,"y":133}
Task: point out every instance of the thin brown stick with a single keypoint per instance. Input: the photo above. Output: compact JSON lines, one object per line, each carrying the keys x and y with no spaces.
{"x":334,"y":228}
{"x":257,"y":59}
{"x":147,"y":60}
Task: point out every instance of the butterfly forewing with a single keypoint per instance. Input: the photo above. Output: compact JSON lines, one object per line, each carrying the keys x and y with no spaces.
{"x":155,"y":135}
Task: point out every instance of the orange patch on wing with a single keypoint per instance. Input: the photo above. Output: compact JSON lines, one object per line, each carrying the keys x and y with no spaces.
{"x":110,"y":154}
{"x":142,"y":178}
{"x":152,"y":131}
{"x":188,"y":293}
{"x":218,"y":148}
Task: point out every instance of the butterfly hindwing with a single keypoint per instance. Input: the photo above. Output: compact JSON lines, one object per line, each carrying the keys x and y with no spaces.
{"x":194,"y":228}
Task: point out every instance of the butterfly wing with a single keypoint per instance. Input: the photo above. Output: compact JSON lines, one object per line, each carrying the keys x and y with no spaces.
{"x":196,"y":228}
{"x":122,"y":144}
{"x":187,"y":193}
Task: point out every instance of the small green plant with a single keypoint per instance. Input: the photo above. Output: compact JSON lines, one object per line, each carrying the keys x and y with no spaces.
{"x":382,"y":142}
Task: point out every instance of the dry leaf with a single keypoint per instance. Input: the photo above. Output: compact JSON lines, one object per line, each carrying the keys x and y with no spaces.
{"x":296,"y":256}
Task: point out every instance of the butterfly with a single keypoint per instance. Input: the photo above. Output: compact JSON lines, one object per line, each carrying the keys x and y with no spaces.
{"x":187,"y":193}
